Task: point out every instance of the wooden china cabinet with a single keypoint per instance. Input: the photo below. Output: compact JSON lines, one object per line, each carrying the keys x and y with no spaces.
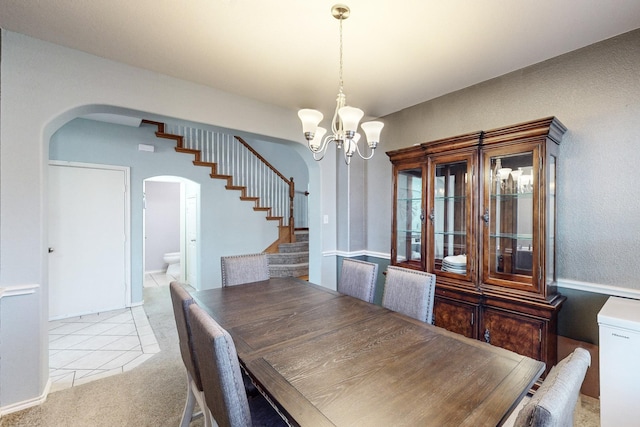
{"x":478,"y":210}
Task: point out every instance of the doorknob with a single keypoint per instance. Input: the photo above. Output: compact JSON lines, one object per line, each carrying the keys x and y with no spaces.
{"x":51,"y":250}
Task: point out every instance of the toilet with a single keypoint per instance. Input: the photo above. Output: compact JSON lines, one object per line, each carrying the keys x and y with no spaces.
{"x":173,"y":261}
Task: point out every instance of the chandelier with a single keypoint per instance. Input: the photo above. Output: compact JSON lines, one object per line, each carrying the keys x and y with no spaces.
{"x":344,"y":125}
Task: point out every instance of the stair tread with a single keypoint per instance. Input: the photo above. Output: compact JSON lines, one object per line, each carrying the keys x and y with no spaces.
{"x":289,"y":253}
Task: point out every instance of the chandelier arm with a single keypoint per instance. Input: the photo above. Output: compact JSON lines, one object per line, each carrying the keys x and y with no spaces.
{"x":317,"y":159}
{"x":323,"y":145}
{"x":335,"y":122}
{"x":373,"y":151}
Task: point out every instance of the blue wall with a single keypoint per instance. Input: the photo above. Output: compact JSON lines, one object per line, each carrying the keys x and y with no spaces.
{"x":228,"y":225}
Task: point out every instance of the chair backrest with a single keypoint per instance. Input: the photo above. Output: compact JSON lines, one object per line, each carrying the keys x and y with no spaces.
{"x":410,"y":292}
{"x":222,"y":382}
{"x":554,"y":402}
{"x":181,"y":300}
{"x":358,"y":279}
{"x":238,"y":269}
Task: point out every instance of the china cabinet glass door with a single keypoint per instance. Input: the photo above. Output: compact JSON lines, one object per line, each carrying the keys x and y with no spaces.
{"x":451,"y":235}
{"x":510,"y":227}
{"x":409,"y":216}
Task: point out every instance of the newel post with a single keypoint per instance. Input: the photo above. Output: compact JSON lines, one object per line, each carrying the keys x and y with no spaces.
{"x":292,"y":194}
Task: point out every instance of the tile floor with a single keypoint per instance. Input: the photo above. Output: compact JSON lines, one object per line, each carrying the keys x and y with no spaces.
{"x":157,"y":279}
{"x":87,"y":348}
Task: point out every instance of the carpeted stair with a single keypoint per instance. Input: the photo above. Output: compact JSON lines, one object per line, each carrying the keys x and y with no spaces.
{"x":292,"y":259}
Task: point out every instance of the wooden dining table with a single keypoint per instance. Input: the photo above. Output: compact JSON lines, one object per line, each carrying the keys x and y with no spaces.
{"x":327,"y":359}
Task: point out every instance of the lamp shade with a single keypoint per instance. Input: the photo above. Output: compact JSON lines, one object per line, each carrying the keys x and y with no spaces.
{"x":310,"y":120}
{"x":350,"y":117}
{"x":317,"y":138}
{"x":372,"y":132}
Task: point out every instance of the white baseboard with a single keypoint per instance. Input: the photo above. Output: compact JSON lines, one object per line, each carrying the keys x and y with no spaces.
{"x":25,"y":404}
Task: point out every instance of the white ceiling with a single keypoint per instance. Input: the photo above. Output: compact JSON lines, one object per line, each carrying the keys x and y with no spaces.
{"x":396,"y":53}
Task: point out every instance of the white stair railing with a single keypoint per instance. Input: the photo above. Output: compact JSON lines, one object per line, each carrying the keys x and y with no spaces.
{"x":235,"y":158}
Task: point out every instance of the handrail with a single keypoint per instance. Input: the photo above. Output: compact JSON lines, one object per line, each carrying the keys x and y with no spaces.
{"x":262,"y":159}
{"x":292,"y":188}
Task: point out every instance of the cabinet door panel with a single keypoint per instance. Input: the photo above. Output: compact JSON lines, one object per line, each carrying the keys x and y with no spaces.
{"x":520,"y":334}
{"x":455,"y":316}
{"x":451,"y":206}
{"x":512,"y":224}
{"x":407,"y":249}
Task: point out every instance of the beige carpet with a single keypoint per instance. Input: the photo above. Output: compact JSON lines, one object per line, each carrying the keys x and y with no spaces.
{"x":151,"y":395}
{"x":154,"y":393}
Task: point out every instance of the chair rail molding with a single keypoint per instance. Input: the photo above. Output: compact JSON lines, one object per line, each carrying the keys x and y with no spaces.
{"x":18,"y":290}
{"x":599,"y":288}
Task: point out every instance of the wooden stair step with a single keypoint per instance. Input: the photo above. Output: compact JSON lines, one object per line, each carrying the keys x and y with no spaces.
{"x":158,"y":125}
{"x":177,"y":138}
{"x":196,"y":153}
{"x":201,"y":163}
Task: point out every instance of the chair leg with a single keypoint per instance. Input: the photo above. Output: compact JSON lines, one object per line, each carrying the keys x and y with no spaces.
{"x":187,"y":413}
{"x":204,"y":410}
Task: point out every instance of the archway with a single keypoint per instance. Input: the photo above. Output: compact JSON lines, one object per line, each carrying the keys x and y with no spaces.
{"x":171,"y":231}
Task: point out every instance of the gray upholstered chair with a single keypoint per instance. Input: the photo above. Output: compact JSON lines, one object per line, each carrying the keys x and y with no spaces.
{"x":224,"y":391}
{"x":238,"y":269}
{"x":181,"y":301}
{"x":358,"y":279}
{"x":554,"y":402}
{"x":410,"y":292}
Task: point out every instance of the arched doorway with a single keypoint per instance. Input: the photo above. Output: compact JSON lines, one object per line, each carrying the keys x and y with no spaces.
{"x":171,"y":231}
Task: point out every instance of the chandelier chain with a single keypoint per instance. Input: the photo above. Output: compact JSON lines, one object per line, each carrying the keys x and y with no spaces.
{"x":341,"y":81}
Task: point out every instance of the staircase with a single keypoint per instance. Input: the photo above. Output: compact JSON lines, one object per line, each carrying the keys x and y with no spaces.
{"x":292,"y":259}
{"x":233,"y":160}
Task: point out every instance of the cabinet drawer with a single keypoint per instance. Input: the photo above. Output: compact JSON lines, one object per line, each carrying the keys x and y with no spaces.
{"x":520,"y":334}
{"x":455,"y":316}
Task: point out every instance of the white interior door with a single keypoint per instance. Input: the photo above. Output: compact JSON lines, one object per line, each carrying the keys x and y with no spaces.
{"x":88,"y":234}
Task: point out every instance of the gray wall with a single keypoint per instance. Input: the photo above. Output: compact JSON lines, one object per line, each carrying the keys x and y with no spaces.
{"x":595,"y":92}
{"x":161,"y":222}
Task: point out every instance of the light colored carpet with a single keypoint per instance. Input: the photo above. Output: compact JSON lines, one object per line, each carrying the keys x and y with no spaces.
{"x":153,"y":394}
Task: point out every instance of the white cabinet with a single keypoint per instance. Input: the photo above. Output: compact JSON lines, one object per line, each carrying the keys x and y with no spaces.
{"x":619,"y":322}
